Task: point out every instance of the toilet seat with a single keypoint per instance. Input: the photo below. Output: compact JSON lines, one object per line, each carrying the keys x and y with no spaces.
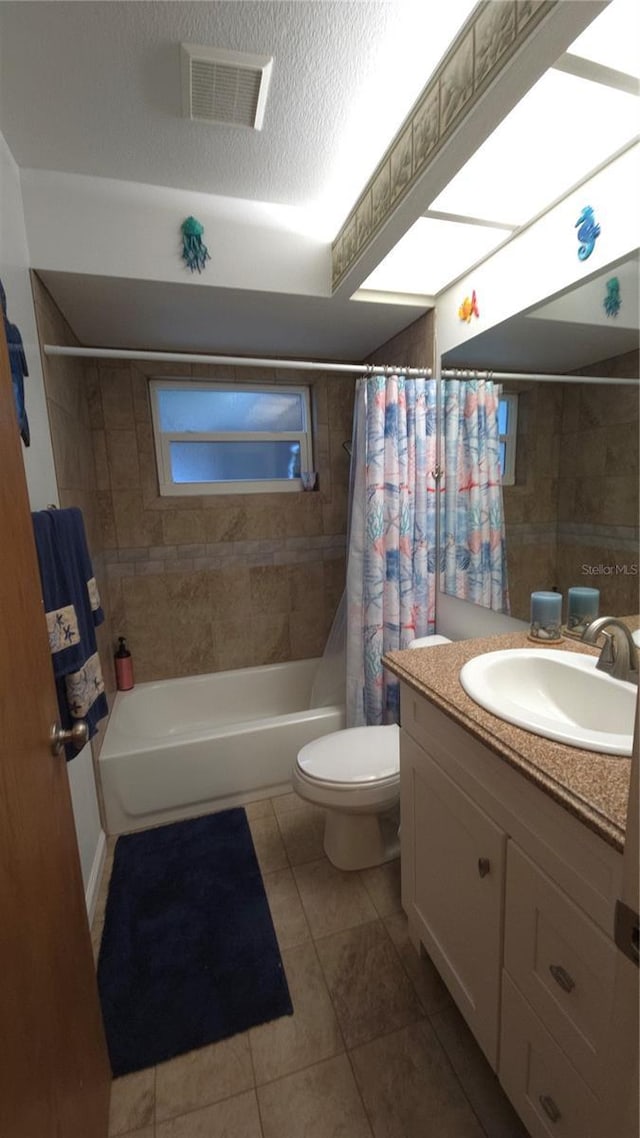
{"x":357,"y":769}
{"x":353,"y":757}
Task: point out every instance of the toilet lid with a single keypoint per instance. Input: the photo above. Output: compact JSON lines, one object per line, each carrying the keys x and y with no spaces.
{"x":358,"y":754}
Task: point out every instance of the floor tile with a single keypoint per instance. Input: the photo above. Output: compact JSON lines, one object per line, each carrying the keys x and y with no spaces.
{"x":204,"y":1076}
{"x":287,"y":913}
{"x":261,"y":808}
{"x":369,"y":988}
{"x":303,"y":834}
{"x":236,"y":1117}
{"x":310,"y":1034}
{"x":433,"y":993}
{"x":382,"y":883}
{"x":478,"y":1081}
{"x":409,"y":1089}
{"x":320,"y":1102}
{"x":332,"y":899}
{"x":285,"y":802}
{"x":132,"y":1098}
{"x":268,"y":844}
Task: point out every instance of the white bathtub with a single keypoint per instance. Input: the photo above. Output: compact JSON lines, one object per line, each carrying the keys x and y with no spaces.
{"x":177,"y":748}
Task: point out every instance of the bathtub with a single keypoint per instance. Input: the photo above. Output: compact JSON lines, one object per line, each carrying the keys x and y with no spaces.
{"x":177,"y":748}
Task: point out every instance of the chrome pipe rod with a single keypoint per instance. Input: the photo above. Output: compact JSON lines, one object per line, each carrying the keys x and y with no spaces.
{"x":537,"y":377}
{"x":231,"y":361}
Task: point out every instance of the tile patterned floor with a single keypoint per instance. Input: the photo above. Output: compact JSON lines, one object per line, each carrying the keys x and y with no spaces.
{"x":376,"y":1047}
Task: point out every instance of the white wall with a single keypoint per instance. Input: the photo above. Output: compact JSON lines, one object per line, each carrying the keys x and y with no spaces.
{"x":101,"y":226}
{"x":14,"y":272}
{"x":40,"y":472}
{"x":543,"y":259}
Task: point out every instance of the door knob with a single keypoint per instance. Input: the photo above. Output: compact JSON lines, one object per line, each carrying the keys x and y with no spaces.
{"x":78,"y":735}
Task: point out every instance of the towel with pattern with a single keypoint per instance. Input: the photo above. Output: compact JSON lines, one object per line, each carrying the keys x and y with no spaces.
{"x":72,"y":611}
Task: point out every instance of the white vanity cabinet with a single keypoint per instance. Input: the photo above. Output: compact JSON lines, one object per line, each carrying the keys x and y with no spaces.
{"x":513,"y":898}
{"x":453,"y":864}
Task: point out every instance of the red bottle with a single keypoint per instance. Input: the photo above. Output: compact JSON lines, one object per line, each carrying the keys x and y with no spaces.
{"x":124,"y":666}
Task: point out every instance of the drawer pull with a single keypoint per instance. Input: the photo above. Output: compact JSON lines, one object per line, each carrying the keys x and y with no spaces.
{"x":549,"y":1107}
{"x":484,"y":866}
{"x":562,"y":977}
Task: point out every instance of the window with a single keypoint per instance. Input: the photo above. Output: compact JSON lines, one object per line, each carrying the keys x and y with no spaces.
{"x":216,"y":438}
{"x":508,"y":426}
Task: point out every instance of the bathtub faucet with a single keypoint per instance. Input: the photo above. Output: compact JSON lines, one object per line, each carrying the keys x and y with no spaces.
{"x":619,"y":655}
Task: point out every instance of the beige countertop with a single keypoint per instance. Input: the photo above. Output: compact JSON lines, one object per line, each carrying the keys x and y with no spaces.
{"x":593,"y":787}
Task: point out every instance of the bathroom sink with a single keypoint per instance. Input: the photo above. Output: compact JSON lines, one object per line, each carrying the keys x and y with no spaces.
{"x":557,"y":694}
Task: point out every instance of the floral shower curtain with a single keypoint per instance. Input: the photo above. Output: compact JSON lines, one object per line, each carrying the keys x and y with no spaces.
{"x":474,"y":552}
{"x":391,"y":558}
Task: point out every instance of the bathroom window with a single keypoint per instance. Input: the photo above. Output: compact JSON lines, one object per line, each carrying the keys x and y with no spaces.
{"x":217,"y":438}
{"x":508,"y":427}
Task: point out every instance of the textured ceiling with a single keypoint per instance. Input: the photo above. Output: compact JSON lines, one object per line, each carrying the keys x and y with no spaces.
{"x":94,"y":88}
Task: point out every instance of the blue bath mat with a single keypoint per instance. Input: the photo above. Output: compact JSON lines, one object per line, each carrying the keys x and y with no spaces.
{"x":189,"y":954}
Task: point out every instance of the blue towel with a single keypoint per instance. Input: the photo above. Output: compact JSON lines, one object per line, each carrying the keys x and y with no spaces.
{"x":18,"y":365}
{"x":72,"y":608}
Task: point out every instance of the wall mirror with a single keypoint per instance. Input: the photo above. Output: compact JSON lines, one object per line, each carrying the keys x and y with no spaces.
{"x":571,"y":514}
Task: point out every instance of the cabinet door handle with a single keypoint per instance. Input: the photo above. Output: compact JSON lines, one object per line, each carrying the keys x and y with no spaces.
{"x":549,"y":1107}
{"x":562,"y":977}
{"x":484,"y":866}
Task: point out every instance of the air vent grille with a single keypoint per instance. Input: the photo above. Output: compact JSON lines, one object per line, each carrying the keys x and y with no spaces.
{"x":224,"y":86}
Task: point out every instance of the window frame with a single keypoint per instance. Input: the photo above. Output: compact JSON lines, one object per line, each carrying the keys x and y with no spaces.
{"x":163,"y":439}
{"x":510,"y":437}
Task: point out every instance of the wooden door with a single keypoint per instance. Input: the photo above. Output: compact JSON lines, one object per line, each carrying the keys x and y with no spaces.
{"x":54,"y":1070}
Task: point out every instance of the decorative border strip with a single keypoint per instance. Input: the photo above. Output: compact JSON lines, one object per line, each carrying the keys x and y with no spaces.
{"x":482,"y":48}
{"x":157,"y":559}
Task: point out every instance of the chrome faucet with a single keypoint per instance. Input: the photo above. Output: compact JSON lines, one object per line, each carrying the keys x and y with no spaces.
{"x":619,"y":655}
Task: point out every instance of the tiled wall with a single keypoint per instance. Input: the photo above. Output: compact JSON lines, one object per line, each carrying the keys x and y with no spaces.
{"x":531,"y":505}
{"x":196,"y":584}
{"x":200,"y":584}
{"x":575,"y":502}
{"x":598,"y":507}
{"x":68,"y":411}
{"x":413,"y":347}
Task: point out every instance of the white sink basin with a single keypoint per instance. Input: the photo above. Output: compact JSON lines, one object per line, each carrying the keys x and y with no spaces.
{"x":556,"y":694}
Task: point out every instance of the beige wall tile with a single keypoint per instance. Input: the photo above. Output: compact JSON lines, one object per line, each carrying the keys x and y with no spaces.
{"x":122,"y":453}
{"x":183,"y":527}
{"x":101,"y":461}
{"x":135,"y":526}
{"x":117,"y":401}
{"x":269,"y":589}
{"x":270,"y":639}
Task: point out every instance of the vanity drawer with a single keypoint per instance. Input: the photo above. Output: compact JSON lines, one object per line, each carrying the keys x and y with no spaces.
{"x":546,"y":1091}
{"x":561,"y":962}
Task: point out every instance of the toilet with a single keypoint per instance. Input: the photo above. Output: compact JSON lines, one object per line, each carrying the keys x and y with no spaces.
{"x":354,"y":775}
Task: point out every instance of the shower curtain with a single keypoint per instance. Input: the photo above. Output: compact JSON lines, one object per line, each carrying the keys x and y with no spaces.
{"x":391,"y":552}
{"x":473,"y":531}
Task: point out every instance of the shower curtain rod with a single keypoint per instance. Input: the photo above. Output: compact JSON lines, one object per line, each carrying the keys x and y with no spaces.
{"x":232,"y":361}
{"x":504,"y":376}
{"x":314,"y":365}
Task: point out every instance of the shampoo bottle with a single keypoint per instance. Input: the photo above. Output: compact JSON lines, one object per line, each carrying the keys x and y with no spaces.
{"x":124,"y":666}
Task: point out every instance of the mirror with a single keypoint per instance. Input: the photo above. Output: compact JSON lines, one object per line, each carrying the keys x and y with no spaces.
{"x":571,"y":515}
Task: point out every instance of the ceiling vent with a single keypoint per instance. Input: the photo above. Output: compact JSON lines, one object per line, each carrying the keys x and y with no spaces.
{"x":224,"y":86}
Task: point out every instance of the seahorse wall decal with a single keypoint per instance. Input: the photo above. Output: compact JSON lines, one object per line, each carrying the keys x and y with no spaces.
{"x":588,"y":231}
